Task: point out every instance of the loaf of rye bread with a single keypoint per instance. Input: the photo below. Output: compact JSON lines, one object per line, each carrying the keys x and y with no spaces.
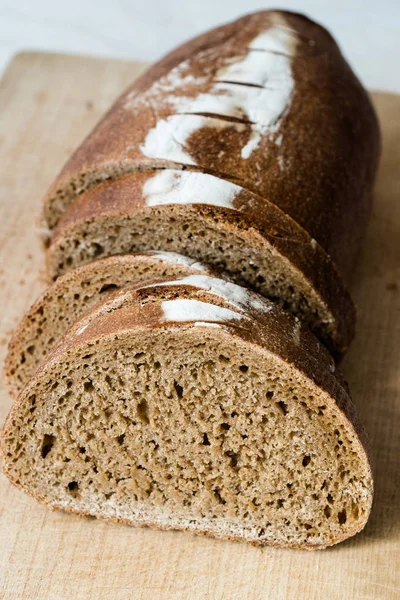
{"x":75,"y":293}
{"x":194,"y":404}
{"x":266,"y":106}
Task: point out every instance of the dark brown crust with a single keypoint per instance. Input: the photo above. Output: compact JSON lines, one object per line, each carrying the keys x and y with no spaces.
{"x":124,"y":196}
{"x":330,"y":141}
{"x":271,"y":332}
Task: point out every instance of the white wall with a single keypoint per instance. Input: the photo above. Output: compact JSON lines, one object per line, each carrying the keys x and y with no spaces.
{"x":368,"y":31}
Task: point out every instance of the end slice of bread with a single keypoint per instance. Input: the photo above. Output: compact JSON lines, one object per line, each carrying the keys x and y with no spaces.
{"x":191,"y":405}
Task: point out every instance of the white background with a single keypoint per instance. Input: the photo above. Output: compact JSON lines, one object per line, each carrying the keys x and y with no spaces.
{"x":368,"y":31}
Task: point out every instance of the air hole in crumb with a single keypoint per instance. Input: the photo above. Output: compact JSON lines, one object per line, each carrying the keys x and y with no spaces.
{"x":283,"y":407}
{"x":82,"y":450}
{"x":342,"y":517}
{"x":73,"y":488}
{"x":234,"y":414}
{"x":107,"y":287}
{"x":142,"y":410}
{"x":178,"y":389}
{"x":234,"y":458}
{"x":269,"y":395}
{"x":327,"y":511}
{"x":206,"y":441}
{"x":330,"y":498}
{"x":47,"y":444}
{"x":279,"y":502}
{"x":30,"y":349}
{"x":225,"y":426}
{"x":244,"y":368}
{"x":120,"y":439}
{"x":97,"y":249}
{"x":88,"y":386}
{"x":307,"y":526}
{"x":217,"y":494}
{"x":306,"y":460}
{"x":223,"y":359}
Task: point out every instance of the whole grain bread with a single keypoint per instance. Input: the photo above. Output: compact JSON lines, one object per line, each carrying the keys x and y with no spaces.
{"x":219,"y":223}
{"x":75,"y":293}
{"x":194,"y":405}
{"x":267,"y":101}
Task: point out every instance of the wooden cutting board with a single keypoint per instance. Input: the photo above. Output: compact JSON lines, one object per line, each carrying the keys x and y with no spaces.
{"x":48,"y":103}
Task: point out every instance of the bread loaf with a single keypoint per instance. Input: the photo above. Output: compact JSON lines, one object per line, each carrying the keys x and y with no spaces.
{"x":187,"y":401}
{"x":74,"y":294}
{"x":194,"y":405}
{"x":268,"y":102}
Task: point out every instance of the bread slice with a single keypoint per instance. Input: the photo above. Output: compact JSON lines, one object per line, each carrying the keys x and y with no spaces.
{"x":75,"y":293}
{"x":195,"y":406}
{"x":219,"y":223}
{"x":268,"y":102}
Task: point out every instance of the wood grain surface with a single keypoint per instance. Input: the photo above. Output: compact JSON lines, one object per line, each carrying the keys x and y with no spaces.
{"x":48,"y":103}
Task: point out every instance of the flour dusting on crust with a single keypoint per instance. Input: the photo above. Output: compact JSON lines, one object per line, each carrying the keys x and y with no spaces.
{"x":184,"y":187}
{"x":237,"y":295}
{"x":196,"y":311}
{"x":173,"y":258}
{"x":256,"y":88}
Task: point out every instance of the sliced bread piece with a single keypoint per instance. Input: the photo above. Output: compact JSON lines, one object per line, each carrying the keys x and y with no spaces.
{"x":219,"y":223}
{"x":193,"y":406}
{"x":75,"y":293}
